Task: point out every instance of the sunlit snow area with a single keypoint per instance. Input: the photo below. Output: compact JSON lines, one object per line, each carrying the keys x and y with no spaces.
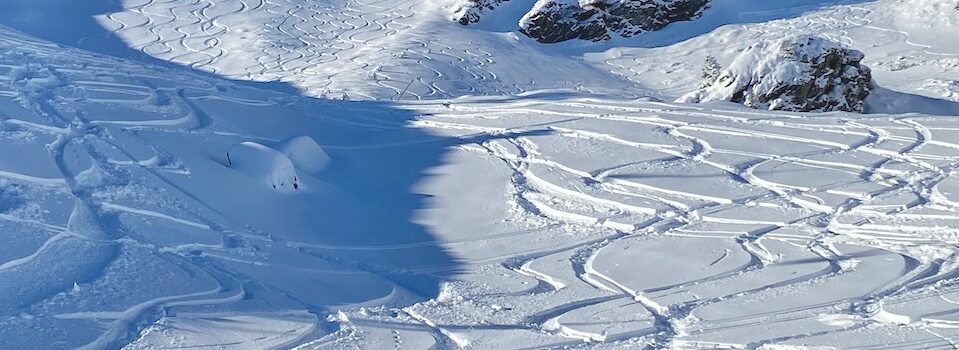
{"x":375,"y":174}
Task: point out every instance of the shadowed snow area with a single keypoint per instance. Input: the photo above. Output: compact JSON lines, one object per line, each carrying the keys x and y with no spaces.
{"x":130,"y":191}
{"x":345,"y":174}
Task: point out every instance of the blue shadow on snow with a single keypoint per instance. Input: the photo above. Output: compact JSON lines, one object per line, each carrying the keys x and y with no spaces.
{"x":373,"y":168}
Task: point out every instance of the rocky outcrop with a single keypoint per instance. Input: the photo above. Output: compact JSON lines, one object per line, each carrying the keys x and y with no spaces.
{"x":551,"y":21}
{"x":801,"y":73}
{"x":471,"y":11}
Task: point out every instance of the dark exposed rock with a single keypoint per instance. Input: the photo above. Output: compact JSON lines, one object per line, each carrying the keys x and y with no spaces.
{"x":551,"y":21}
{"x":802,"y":73}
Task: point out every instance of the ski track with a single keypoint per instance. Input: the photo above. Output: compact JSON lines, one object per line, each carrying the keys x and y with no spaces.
{"x":93,"y":164}
{"x":835,"y":142}
{"x":353,"y":36}
{"x":875,"y":187}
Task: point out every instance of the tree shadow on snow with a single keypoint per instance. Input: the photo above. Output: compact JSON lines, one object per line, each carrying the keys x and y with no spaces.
{"x":359,"y":213}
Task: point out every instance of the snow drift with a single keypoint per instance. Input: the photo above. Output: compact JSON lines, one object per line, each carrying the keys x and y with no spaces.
{"x":800,"y":73}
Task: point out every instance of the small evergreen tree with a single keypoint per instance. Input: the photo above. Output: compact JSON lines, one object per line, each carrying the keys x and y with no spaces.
{"x":711,"y":71}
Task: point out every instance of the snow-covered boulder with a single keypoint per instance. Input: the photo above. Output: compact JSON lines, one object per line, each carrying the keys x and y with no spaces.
{"x":551,"y":21}
{"x":800,"y":73}
{"x":305,"y":154}
{"x":470,"y":11}
{"x":262,"y":163}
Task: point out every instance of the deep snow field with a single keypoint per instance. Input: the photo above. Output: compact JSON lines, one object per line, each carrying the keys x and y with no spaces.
{"x":368,"y":174}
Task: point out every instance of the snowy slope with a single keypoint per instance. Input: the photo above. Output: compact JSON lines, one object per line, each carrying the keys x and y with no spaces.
{"x":900,"y":45}
{"x":478,"y":190}
{"x":665,"y":224}
{"x":375,"y":49}
{"x":347,"y":49}
{"x":132,"y":192}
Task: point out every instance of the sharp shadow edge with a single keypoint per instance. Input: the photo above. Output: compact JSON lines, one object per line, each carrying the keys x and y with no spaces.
{"x":383,"y":202}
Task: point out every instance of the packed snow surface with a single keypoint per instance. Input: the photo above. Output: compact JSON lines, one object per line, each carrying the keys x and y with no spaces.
{"x":465,"y":187}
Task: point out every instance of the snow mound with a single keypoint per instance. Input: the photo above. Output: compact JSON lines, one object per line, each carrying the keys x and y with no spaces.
{"x":551,"y":21}
{"x":305,"y":154}
{"x":265,"y":164}
{"x":799,"y":73}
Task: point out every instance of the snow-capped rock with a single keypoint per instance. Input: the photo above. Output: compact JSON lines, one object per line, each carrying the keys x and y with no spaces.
{"x":470,"y":11}
{"x":800,"y":73}
{"x":551,"y":21}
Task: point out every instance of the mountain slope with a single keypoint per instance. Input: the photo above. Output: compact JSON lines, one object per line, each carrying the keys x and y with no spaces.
{"x":466,"y":186}
{"x":124,"y":204}
{"x":385,"y":49}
